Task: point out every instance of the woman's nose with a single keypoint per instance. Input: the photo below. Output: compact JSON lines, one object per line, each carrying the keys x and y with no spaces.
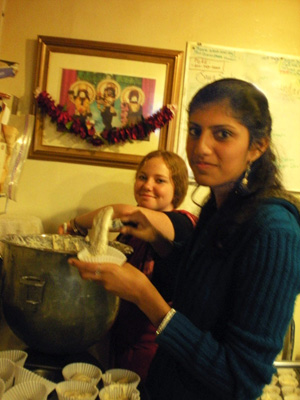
{"x":148,"y":183}
{"x":204,"y":143}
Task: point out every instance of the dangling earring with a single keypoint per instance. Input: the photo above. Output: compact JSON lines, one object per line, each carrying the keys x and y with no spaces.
{"x":246,"y":176}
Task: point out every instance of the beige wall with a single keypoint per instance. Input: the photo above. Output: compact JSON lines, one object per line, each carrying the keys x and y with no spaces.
{"x":57,"y":191}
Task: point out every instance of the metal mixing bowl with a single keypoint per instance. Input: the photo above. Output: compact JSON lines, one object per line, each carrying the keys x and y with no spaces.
{"x":45,"y":302}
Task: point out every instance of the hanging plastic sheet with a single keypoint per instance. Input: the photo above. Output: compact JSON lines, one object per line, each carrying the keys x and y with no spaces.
{"x":23,"y":125}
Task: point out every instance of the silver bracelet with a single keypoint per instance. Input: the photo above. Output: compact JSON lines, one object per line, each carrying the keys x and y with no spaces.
{"x":165,"y":321}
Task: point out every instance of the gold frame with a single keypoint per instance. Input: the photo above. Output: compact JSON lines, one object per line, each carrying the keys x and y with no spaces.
{"x":47,"y":45}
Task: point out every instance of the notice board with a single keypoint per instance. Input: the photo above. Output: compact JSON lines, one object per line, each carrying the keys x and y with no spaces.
{"x":277,"y":75}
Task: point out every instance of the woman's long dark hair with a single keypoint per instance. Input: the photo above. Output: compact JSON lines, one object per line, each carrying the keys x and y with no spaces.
{"x":250,"y":107}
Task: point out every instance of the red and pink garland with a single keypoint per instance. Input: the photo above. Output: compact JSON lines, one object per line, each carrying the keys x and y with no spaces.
{"x":73,"y":124}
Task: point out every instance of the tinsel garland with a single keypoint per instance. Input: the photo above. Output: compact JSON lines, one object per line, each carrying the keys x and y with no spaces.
{"x":82,"y":127}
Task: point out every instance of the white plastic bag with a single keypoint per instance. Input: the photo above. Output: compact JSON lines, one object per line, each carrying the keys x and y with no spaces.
{"x":24,"y":124}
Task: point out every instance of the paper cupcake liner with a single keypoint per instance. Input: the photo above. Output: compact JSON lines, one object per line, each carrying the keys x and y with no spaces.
{"x":270,"y":396}
{"x":112,"y":256}
{"x":288,"y":380}
{"x":7,"y":372}
{"x":17,"y":356}
{"x":274,"y":380}
{"x":32,"y":390}
{"x":286,"y":371}
{"x":271,"y":389}
{"x":24,"y":375}
{"x":292,"y":396}
{"x":115,"y":392}
{"x":72,"y":387}
{"x":121,"y":376}
{"x":82,"y":372}
{"x":287,"y":390}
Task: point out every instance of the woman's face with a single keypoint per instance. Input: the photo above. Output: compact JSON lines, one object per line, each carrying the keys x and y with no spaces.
{"x":154,"y":188}
{"x":217,"y":145}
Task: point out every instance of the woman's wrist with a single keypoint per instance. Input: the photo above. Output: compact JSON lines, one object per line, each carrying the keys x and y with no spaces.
{"x":170,"y":314}
{"x":151,"y":303}
{"x":77,"y":229}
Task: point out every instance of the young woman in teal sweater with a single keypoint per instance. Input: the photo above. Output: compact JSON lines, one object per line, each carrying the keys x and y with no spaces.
{"x":239,"y":274}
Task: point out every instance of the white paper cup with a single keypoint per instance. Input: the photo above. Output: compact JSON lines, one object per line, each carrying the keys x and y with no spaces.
{"x":292,"y":396}
{"x":17,"y":356}
{"x":271,"y":389}
{"x":2,"y":387}
{"x":274,"y":380}
{"x":288,"y":380}
{"x":121,"y":376}
{"x":7,"y":372}
{"x":286,"y":371}
{"x":65,"y":390}
{"x":287,"y":390}
{"x":32,"y":390}
{"x":115,"y":392}
{"x":82,"y":372}
{"x":24,"y":375}
{"x":270,"y":396}
{"x":112,"y":256}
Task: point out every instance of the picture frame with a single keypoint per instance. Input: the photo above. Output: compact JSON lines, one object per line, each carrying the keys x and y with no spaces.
{"x":59,"y":57}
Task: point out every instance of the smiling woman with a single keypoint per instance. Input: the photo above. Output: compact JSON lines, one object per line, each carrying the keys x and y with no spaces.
{"x":154,"y":187}
{"x":218,"y":147}
{"x":161,"y":184}
{"x":238,"y":275}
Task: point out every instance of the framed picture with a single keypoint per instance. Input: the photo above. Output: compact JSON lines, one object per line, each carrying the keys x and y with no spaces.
{"x":109,"y":86}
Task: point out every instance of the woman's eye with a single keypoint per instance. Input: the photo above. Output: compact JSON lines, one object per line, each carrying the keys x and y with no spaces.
{"x":194,"y":132}
{"x":222,"y":134}
{"x":142,"y":177}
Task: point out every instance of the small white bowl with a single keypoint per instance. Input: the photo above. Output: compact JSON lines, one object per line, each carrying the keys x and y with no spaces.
{"x":2,"y":387}
{"x":32,"y":390}
{"x":82,"y":372}
{"x":121,"y":376}
{"x":115,"y":392}
{"x":17,"y":356}
{"x":24,"y":375}
{"x":7,"y":372}
{"x":67,"y":390}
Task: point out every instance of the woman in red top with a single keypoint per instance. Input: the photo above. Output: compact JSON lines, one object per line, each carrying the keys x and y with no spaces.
{"x":160,"y":186}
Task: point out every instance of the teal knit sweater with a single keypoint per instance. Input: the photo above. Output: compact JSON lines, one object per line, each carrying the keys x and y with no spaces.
{"x":233,"y":309}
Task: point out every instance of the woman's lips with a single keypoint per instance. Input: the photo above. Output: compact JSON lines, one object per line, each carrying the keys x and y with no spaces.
{"x":203,"y":164}
{"x":147,"y":195}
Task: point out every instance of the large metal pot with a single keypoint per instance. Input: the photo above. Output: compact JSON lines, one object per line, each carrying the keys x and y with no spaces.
{"x":45,"y":302}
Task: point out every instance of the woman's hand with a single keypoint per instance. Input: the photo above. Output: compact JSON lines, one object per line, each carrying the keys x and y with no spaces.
{"x":124,"y":281}
{"x":72,"y":228}
{"x":139,"y":225}
{"x":159,"y":232}
{"x":127,"y":282}
{"x":65,"y":229}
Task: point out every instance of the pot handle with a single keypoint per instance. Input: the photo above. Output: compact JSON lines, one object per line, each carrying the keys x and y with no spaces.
{"x":35,"y":289}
